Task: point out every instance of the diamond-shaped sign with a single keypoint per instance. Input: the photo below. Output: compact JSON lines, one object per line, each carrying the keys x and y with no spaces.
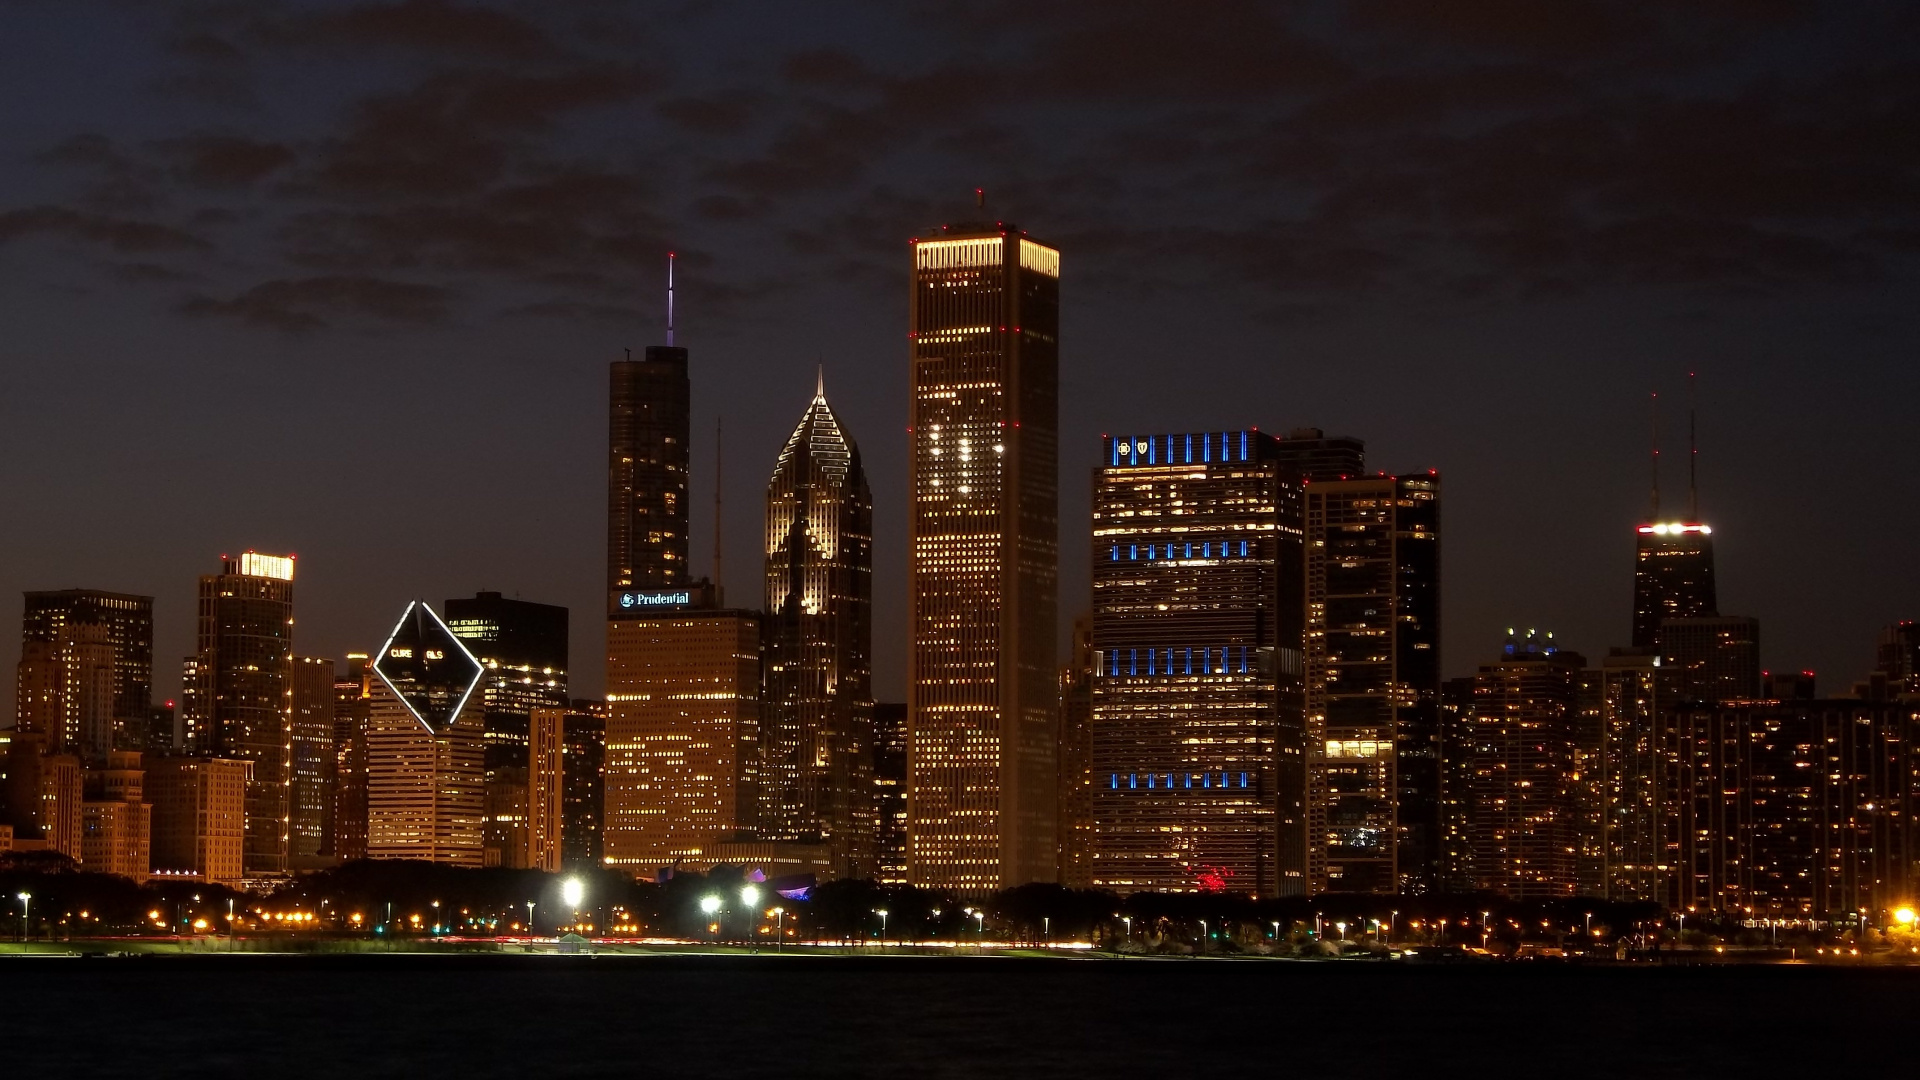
{"x":427,"y":667}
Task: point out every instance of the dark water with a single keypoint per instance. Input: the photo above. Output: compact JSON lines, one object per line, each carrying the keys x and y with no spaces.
{"x":470,"y":1017}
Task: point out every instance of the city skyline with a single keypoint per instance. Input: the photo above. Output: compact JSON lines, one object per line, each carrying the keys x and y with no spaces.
{"x":1533,"y":344}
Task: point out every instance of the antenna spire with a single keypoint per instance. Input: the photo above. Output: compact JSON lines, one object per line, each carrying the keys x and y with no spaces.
{"x":1655,"y":407}
{"x":820,"y":381}
{"x":669,"y":299}
{"x":719,"y":485}
{"x":1693,"y":459}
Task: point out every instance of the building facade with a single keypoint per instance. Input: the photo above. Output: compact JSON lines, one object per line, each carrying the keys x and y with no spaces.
{"x":116,"y":821}
{"x":1635,"y":776}
{"x":984,"y":323}
{"x":238,"y":701}
{"x":1717,"y":656}
{"x":1672,"y":577}
{"x":583,"y":781}
{"x":312,"y":763}
{"x":1373,"y":683}
{"x":890,"y":791}
{"x":1074,"y":824}
{"x":85,"y":677}
{"x":649,"y":410}
{"x":352,"y":704}
{"x":199,"y":817}
{"x":425,"y":738}
{"x":1198,"y":752}
{"x":546,"y":788}
{"x":816,"y":734}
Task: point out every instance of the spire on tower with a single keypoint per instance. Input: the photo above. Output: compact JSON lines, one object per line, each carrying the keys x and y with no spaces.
{"x":669,"y":298}
{"x":1654,"y":513}
{"x":719,"y":484}
{"x":1693,"y":459}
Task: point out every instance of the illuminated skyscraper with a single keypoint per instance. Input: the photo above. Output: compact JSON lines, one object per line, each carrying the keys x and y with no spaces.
{"x":311,"y":777}
{"x":546,"y":786}
{"x":199,"y":816}
{"x":1073,"y":828}
{"x":86,"y":670}
{"x":984,"y":323}
{"x":1373,"y":683}
{"x":116,"y":821}
{"x":647,"y":469}
{"x":352,"y":706}
{"x":238,"y":703}
{"x":583,"y":783}
{"x":890,"y":790}
{"x":425,"y":772}
{"x":683,"y":720}
{"x":816,"y":733}
{"x":1672,"y":577}
{"x":1197,"y":734}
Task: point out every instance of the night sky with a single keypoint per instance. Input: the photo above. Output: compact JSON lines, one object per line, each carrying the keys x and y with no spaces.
{"x":344,"y":280}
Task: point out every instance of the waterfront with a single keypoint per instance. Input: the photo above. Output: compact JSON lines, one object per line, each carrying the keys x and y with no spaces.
{"x":420,"y":1015}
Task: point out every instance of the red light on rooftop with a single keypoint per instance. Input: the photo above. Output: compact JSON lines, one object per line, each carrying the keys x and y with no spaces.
{"x":169,"y":703}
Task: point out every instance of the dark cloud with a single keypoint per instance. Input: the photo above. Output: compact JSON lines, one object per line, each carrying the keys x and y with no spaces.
{"x":427,"y":25}
{"x":120,"y":234}
{"x":225,"y":160}
{"x":570,"y":310}
{"x":305,"y":304}
{"x":207,"y":67}
{"x":711,"y":116}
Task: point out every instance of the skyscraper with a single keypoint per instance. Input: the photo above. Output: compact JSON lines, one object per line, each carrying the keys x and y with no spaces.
{"x":311,"y":775}
{"x":546,"y":787}
{"x":1672,"y":577}
{"x":426,"y":787}
{"x":890,"y":790}
{"x":1198,"y":732}
{"x":1073,"y":828}
{"x":984,"y":323}
{"x":116,"y":821}
{"x":1314,"y":456}
{"x":86,"y":670}
{"x":1373,"y":683}
{"x":199,"y":816}
{"x":816,"y":732}
{"x":352,"y":707}
{"x":583,"y":783}
{"x":1718,"y":656}
{"x":1638,"y":694}
{"x":683,"y":728}
{"x":237,"y":700}
{"x":647,"y":469}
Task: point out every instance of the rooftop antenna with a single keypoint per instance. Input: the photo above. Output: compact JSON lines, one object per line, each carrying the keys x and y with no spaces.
{"x":719,"y":475}
{"x":1655,"y":406}
{"x":669,"y":299}
{"x":1693,"y":460}
{"x":820,"y":381}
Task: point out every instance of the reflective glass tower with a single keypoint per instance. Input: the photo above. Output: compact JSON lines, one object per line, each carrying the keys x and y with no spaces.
{"x":817,"y":740}
{"x":983,"y":323}
{"x":1198,"y":747}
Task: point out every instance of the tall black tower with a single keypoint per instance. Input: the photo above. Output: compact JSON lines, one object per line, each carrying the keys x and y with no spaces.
{"x":647,"y":466}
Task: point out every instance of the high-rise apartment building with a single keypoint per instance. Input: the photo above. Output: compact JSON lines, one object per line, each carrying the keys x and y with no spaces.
{"x":816,"y":732}
{"x":1522,"y":773}
{"x":583,"y":783}
{"x":86,"y":670}
{"x":352,"y":707}
{"x":683,"y":731}
{"x":62,"y":804}
{"x":426,"y":792}
{"x":1634,"y":776}
{"x":312,"y":762}
{"x":890,"y":790}
{"x":984,"y":324}
{"x":647,"y":469}
{"x":1717,"y":656}
{"x":546,"y":788}
{"x":1373,"y":683}
{"x":1073,"y":828}
{"x":238,"y":699}
{"x":199,"y":816}
{"x":116,"y":821}
{"x":1672,"y":577}
{"x":523,"y":648}
{"x":1199,"y":777}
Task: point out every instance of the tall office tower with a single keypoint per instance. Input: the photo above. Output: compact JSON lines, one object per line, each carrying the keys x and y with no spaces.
{"x":352,"y":706}
{"x":546,"y":788}
{"x":1373,"y":683}
{"x":1637,"y":692}
{"x":647,"y":469}
{"x":238,"y":700}
{"x":62,"y":794}
{"x":890,"y":790}
{"x":426,"y":737}
{"x":816,"y":733}
{"x":1198,"y":733}
{"x":1796,"y":809}
{"x":116,"y":822}
{"x":523,"y":647}
{"x":683,"y":720}
{"x":983,"y":560}
{"x":1314,"y":456}
{"x":1522,"y":773}
{"x":199,"y":816}
{"x":1672,"y":577}
{"x":312,"y":764}
{"x":1073,"y":826}
{"x":1456,"y":873}
{"x":1718,"y":656}
{"x":583,"y":782}
{"x":1589,"y":778}
{"x":1897,"y":658}
{"x":86,"y":669}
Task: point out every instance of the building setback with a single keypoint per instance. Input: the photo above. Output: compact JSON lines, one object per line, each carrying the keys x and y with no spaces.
{"x":1197,"y":726}
{"x":816,"y":735}
{"x":983,"y":324}
{"x":1373,"y":683}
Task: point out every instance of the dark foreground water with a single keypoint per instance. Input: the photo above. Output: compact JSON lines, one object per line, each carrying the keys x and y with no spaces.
{"x":687,"y":1016}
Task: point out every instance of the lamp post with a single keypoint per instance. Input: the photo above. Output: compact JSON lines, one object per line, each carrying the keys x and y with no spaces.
{"x":709,"y":905}
{"x":529,"y":920}
{"x":26,"y":907}
{"x":1393,"y":923}
{"x":436,"y":918}
{"x":1046,"y":929}
{"x":779,"y":929}
{"x":750,"y":902}
{"x":573,"y":891}
{"x":882,"y":912}
{"x":1128,"y":919}
{"x":1203,"y":935}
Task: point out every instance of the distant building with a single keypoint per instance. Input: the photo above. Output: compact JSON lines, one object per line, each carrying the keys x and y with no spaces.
{"x":352,"y":708}
{"x":1638,"y":694}
{"x":1199,"y":777}
{"x":1373,"y":683}
{"x":238,"y":701}
{"x":86,"y":670}
{"x":62,"y":809}
{"x":1316,"y":457}
{"x":1672,"y":577}
{"x":198,"y":817}
{"x":816,"y":732}
{"x":1897,"y":659}
{"x":583,"y":784}
{"x":1718,"y":656}
{"x":647,"y":469}
{"x":1073,"y":828}
{"x":116,"y":821}
{"x":683,"y":720}
{"x":983,"y":558}
{"x":546,"y":787}
{"x":311,"y":775}
{"x":426,"y":794}
{"x":890,"y":790}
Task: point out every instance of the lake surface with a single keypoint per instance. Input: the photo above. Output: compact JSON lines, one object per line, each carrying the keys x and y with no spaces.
{"x":693,"y":1016}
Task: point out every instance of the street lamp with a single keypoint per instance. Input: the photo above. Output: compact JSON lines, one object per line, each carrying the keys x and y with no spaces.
{"x":26,"y":905}
{"x":882,"y":912}
{"x":436,"y":917}
{"x":529,"y":918}
{"x":1046,"y":928}
{"x":1904,"y":916}
{"x":709,"y":904}
{"x":1393,"y":922}
{"x":573,"y":891}
{"x":1276,"y":931}
{"x":779,"y":929}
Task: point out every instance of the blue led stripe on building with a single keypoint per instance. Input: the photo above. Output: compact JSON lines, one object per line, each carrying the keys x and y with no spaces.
{"x":1189,"y":449}
{"x":1243,"y":779}
{"x":1133,"y":551}
{"x":1189,"y":660}
{"x":1133,"y":781}
{"x":1133,"y":661}
{"x":1243,"y":446}
{"x":1114,"y":782}
{"x":1243,"y":547}
{"x":1207,"y":780}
